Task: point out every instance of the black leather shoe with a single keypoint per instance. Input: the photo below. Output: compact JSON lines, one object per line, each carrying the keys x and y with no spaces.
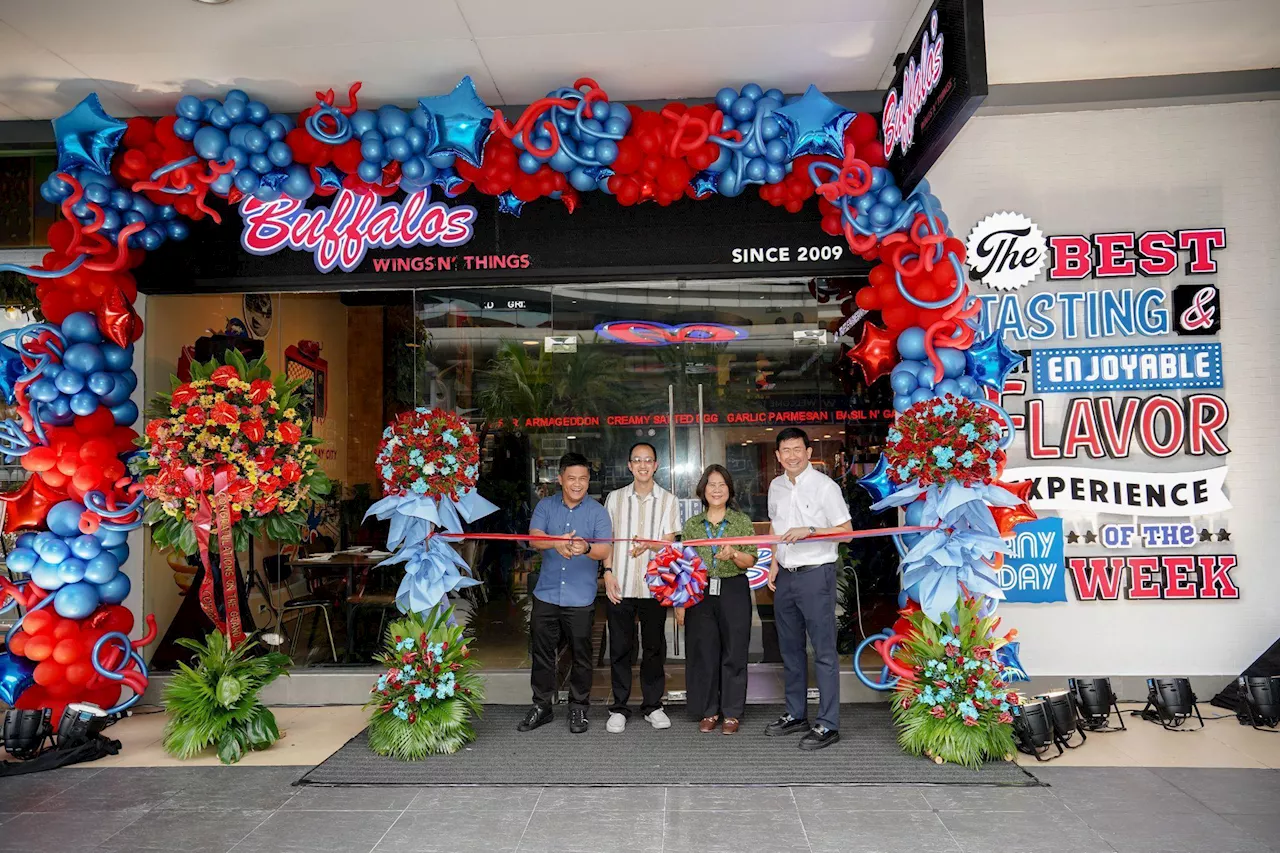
{"x":785,"y":725}
{"x":578,"y":721}
{"x":537,"y":716}
{"x":819,"y":737}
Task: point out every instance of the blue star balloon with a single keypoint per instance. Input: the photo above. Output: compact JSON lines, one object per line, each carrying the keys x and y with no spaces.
{"x":450,"y":181}
{"x":989,"y":361}
{"x":461,"y":122}
{"x":329,"y":177}
{"x":16,"y":675}
{"x":814,"y":124}
{"x":87,"y":137}
{"x":877,"y":483}
{"x":508,"y":203}
{"x":11,"y":369}
{"x":704,"y":183}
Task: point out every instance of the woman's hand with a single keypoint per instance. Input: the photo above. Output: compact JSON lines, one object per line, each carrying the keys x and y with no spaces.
{"x":679,"y":615}
{"x":726,"y":553}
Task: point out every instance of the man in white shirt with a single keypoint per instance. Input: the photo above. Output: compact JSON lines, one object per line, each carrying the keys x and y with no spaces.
{"x":804,"y":502}
{"x":641,"y":510}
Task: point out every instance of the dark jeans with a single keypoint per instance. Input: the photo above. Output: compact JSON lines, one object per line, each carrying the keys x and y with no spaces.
{"x":718,"y":631}
{"x":546,"y":625}
{"x":622,"y":652}
{"x":805,"y":602}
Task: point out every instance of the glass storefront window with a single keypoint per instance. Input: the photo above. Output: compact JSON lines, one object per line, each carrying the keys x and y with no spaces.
{"x":705,"y":371}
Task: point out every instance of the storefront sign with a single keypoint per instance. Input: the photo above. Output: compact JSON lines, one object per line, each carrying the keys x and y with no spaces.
{"x":1096,"y":490}
{"x":1074,"y":314}
{"x":1148,"y":535}
{"x":1033,"y":564}
{"x":1197,"y":308}
{"x":647,"y":333}
{"x":1005,"y":251}
{"x":348,"y":243}
{"x":1154,"y":253}
{"x":1154,"y":578}
{"x":1107,"y":428}
{"x":939,"y":83}
{"x":1141,"y":368}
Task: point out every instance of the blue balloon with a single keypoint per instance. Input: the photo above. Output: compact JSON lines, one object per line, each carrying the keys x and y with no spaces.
{"x":43,"y":391}
{"x":85,"y":357}
{"x":236,"y":95}
{"x":77,"y":600}
{"x":218,"y":118}
{"x":298,"y":183}
{"x":274,"y":130}
{"x":913,"y":512}
{"x":582,"y":180}
{"x":97,"y":193}
{"x":117,"y":358}
{"x":561,"y":161}
{"x":920,"y":395}
{"x":260,"y":163}
{"x":190,"y":107}
{"x":125,"y":413}
{"x":146,"y":207}
{"x":879,"y":177}
{"x":110,"y":538}
{"x":727,"y":185}
{"x":64,"y":518}
{"x":947,"y":386}
{"x":222,"y":184}
{"x":236,"y":135}
{"x":99,"y":383}
{"x":606,"y":151}
{"x":725,"y":98}
{"x":16,"y":675}
{"x":120,"y":552}
{"x":775,"y":151}
{"x":52,"y":549}
{"x":755,"y":169}
{"x":118,"y":393}
{"x":371,"y":147}
{"x":45,"y":576}
{"x":742,"y":109}
{"x":881,"y":215}
{"x":257,"y":112}
{"x":911,"y":344}
{"x":22,"y":560}
{"x":110,"y":220}
{"x":167,"y":212}
{"x":151,"y":238}
{"x":369,"y":172}
{"x":903,"y":598}
{"x":363,"y":121}
{"x":101,"y":568}
{"x":528,"y":163}
{"x":774,"y":173}
{"x":59,"y":411}
{"x":27,"y":540}
{"x":442,"y":159}
{"x":84,"y":546}
{"x":753,"y":91}
{"x":924,"y":375}
{"x":71,"y":570}
{"x":968,"y":386}
{"x":84,"y":403}
{"x":953,"y":361}
{"x":616,"y":125}
{"x":891,"y":195}
{"x":134,"y":216}
{"x":121,"y":199}
{"x":752,"y":148}
{"x":234,"y":109}
{"x":279,"y":154}
{"x":399,"y":149}
{"x":114,"y":591}
{"x":177,"y":230}
{"x":392,"y":121}
{"x":902,"y":382}
{"x":246,"y":180}
{"x":80,"y":327}
{"x":723,"y":160}
{"x":416,"y":138}
{"x":69,"y":381}
{"x":236,"y":155}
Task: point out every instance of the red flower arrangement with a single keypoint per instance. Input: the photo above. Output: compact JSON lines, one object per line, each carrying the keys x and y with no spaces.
{"x":230,"y":427}
{"x":428,"y":452}
{"x":944,"y":439}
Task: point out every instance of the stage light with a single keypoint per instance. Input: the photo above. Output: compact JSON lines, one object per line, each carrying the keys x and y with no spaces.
{"x":1094,"y":701}
{"x":1062,"y":714}
{"x":1033,"y":729}
{"x":25,"y":732}
{"x":1170,"y":702}
{"x":80,"y":722}
{"x":1259,"y":701}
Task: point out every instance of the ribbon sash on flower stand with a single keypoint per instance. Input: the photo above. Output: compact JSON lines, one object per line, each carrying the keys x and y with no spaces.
{"x":208,"y":518}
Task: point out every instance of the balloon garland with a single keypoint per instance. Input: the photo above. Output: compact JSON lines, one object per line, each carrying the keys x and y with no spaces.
{"x":126,"y":188}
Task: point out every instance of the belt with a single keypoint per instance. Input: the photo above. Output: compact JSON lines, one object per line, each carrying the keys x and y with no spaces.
{"x":796,"y":569}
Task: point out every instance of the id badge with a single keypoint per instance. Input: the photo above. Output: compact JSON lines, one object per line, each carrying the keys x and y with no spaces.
{"x":713,"y":586}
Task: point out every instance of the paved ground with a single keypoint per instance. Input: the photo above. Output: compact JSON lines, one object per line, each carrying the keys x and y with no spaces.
{"x":256,"y":810}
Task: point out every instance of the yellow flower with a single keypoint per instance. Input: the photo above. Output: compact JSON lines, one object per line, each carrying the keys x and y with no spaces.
{"x":290,"y":413}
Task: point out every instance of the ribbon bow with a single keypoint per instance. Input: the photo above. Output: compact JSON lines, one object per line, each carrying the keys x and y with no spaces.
{"x":210,"y":517}
{"x":677,"y":577}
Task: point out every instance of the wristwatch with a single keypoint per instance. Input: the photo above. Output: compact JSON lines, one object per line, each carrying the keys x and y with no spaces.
{"x":812,"y":530}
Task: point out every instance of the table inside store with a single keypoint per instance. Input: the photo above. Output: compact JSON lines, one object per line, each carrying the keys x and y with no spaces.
{"x":351,"y":561}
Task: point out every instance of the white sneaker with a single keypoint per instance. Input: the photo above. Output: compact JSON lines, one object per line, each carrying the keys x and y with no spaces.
{"x":658,"y":719}
{"x":617,"y":723}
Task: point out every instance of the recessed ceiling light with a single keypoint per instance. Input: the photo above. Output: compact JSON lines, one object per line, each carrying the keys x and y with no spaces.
{"x":212,"y":2}
{"x":828,"y":435}
{"x":571,"y":437}
{"x":530,"y":343}
{"x":768,"y":429}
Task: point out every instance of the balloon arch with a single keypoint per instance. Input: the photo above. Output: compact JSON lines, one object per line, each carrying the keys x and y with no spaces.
{"x":127,"y":187}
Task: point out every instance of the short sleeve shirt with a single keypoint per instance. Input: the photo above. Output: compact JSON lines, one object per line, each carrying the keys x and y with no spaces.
{"x":634,"y":517}
{"x":569,"y":582}
{"x":813,"y":500}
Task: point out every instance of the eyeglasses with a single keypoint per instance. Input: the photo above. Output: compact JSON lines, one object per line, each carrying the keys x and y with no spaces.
{"x":643,"y":460}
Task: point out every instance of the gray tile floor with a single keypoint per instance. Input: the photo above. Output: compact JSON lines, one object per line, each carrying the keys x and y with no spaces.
{"x":256,"y":810}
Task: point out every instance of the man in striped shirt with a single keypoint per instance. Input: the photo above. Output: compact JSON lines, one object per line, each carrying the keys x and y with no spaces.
{"x":641,"y":510}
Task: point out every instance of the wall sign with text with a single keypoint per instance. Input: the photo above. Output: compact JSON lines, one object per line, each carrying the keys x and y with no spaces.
{"x":1005,"y":251}
{"x":1158,"y":367}
{"x":1198,"y":309}
{"x":1180,"y":535}
{"x":1033,"y":569}
{"x":1166,"y":577}
{"x":1096,"y":490}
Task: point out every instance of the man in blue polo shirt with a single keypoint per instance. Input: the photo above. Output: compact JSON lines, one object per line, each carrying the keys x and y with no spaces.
{"x":564,"y":600}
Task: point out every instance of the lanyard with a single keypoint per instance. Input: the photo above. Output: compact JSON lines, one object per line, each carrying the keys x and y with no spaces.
{"x":719,"y":533}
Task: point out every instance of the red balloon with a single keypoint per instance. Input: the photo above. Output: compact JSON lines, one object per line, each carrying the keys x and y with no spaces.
{"x":67,"y":651}
{"x":99,"y":423}
{"x":1007,"y":517}
{"x":38,"y":647}
{"x":87,"y":477}
{"x":117,"y":320}
{"x":29,"y":504}
{"x":862,"y":130}
{"x":875,"y":352}
{"x":39,"y":458}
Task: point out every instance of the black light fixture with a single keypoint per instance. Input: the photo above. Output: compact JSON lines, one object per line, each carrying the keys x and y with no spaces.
{"x":1170,"y":702}
{"x":1259,"y":701}
{"x":25,"y":732}
{"x":1095,"y":700}
{"x":1033,"y":729}
{"x":1062,"y":713}
{"x":80,"y":723}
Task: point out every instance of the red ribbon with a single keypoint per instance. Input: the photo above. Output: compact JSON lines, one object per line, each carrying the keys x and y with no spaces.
{"x":769,"y":539}
{"x":208,"y":518}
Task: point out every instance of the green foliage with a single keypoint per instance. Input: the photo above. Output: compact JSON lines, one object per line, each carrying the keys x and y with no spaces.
{"x":423,"y":704}
{"x":959,"y":708}
{"x":214,"y":702}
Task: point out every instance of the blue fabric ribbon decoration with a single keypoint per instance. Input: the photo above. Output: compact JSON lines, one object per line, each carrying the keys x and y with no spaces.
{"x":432,"y":568}
{"x":956,"y":551}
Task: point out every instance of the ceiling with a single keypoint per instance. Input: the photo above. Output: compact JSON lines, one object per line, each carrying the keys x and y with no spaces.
{"x":142,"y":54}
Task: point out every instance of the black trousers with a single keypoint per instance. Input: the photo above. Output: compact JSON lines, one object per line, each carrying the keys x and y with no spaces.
{"x":718,"y":634}
{"x":622,"y":653}
{"x":805,"y":603}
{"x":546,"y":625}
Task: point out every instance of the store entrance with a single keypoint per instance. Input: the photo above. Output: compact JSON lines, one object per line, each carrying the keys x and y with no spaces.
{"x":704,"y":371}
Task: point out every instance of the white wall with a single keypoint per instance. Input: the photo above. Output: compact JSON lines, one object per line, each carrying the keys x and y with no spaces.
{"x":1139,"y":170}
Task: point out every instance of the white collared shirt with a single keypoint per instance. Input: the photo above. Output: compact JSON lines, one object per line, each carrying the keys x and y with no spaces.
{"x":813,"y":500}
{"x":652,"y":516}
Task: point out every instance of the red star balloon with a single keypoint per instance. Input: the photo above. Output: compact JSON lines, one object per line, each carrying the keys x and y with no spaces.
{"x":874,"y":352}
{"x":1007,"y":517}
{"x":28,"y":505}
{"x":1021,"y":490}
{"x":117,"y":320}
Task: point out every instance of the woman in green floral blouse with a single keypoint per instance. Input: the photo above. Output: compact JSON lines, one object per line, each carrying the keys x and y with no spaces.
{"x":719,"y":626}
